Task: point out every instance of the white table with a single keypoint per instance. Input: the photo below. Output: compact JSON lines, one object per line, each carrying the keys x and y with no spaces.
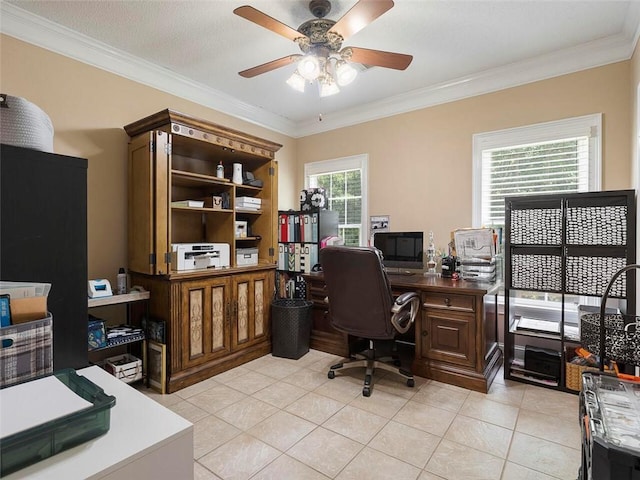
{"x":145,"y":440}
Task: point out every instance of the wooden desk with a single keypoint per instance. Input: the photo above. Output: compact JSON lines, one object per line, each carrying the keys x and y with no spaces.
{"x":456,"y":333}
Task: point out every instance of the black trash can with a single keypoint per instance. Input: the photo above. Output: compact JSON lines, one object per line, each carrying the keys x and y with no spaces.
{"x":290,"y":327}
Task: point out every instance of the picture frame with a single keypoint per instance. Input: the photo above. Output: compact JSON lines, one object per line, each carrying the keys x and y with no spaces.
{"x":157,"y":366}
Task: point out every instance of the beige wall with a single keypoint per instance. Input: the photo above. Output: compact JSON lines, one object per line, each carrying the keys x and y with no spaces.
{"x":88,"y":108}
{"x":421,"y":162}
{"x":635,"y":115}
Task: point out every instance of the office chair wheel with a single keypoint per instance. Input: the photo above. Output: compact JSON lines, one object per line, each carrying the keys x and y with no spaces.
{"x":331,"y":374}
{"x":397,"y":362}
{"x":410,"y":382}
{"x":366,"y":391}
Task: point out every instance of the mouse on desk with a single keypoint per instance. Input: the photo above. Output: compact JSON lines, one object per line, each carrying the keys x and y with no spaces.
{"x":316,"y":268}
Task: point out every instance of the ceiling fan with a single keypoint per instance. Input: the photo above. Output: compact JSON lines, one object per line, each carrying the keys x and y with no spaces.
{"x":320,"y":39}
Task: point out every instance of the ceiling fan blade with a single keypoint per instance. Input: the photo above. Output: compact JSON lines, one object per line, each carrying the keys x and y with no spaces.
{"x":361,"y":14}
{"x":378,"y":58}
{"x":270,"y":23}
{"x":267,"y":67}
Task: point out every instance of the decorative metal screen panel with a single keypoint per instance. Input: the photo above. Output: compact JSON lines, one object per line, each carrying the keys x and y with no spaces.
{"x":606,"y":225}
{"x":195,"y":323}
{"x":258,"y":302}
{"x":243,"y":312}
{"x":541,"y":226}
{"x":591,"y":275}
{"x":217,"y":318}
{"x":536,"y":272}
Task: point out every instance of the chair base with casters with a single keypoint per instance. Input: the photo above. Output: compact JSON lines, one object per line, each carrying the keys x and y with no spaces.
{"x":369,"y":360}
{"x":362,"y":305}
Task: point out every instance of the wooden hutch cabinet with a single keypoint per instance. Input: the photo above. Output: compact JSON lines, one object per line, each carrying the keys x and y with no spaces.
{"x":216,"y":318}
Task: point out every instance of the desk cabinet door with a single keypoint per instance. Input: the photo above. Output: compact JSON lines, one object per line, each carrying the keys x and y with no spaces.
{"x":448,"y":337}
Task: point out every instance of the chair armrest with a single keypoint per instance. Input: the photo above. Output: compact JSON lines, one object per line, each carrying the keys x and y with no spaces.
{"x":405,"y":310}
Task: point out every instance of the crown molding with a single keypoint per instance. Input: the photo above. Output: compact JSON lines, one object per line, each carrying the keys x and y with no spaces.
{"x":33,"y":29}
{"x":594,"y":54}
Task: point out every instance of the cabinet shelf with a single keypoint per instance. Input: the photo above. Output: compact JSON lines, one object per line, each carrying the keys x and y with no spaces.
{"x":118,"y":299}
{"x":201,"y":209}
{"x":128,"y":341}
{"x":191,"y":179}
{"x":249,"y":212}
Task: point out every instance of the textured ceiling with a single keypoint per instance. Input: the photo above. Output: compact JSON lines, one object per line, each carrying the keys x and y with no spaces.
{"x":453,"y":42}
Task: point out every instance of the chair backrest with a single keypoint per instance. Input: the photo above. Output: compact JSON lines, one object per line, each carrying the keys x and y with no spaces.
{"x":360,"y":298}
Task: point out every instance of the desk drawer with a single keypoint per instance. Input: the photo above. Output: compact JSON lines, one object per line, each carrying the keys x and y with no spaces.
{"x":460,"y":303}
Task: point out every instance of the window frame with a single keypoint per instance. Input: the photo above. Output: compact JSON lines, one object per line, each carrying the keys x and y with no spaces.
{"x":589,"y":125}
{"x":353,"y":162}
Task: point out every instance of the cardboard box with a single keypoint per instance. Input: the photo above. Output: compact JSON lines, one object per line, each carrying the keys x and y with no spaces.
{"x":28,"y":309}
{"x":246,"y":256}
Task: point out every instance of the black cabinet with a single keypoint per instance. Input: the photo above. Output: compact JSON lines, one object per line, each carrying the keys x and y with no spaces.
{"x":43,"y":238}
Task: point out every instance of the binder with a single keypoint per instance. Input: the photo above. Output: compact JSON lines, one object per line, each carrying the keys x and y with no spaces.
{"x":314,"y":227}
{"x":282,"y":265}
{"x":292,"y":257}
{"x":297,"y":255}
{"x":305,"y":259}
{"x":307,"y":227}
{"x":296,"y":227}
{"x":284,"y":225}
{"x":290,"y":234}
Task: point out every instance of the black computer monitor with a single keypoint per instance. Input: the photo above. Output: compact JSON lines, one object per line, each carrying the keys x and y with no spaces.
{"x":402,"y":251}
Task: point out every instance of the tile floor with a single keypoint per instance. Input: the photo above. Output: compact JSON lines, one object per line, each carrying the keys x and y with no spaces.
{"x":276,"y":418}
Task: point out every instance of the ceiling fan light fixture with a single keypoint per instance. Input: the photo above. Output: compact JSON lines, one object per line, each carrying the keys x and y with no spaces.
{"x":309,"y":67}
{"x":345,"y":73}
{"x":296,"y":81}
{"x":327,"y":86}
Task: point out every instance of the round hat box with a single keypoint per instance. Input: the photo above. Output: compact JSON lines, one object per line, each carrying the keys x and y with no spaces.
{"x":24,"y":124}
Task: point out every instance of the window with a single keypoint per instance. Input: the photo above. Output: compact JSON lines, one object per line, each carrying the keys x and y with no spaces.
{"x":345,"y":180}
{"x":555,"y":157}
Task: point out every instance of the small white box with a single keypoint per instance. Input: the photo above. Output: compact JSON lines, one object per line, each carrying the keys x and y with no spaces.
{"x":124,"y":367}
{"x":249,"y":201}
{"x":241,"y":229}
{"x":246,"y":256}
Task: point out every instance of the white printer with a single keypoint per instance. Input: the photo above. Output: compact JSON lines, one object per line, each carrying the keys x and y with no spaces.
{"x":192,"y":256}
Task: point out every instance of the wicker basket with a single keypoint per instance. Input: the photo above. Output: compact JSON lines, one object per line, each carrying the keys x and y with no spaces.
{"x":573,"y":375}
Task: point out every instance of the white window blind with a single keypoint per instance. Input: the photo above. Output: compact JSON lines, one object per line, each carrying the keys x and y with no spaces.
{"x":554,"y":157}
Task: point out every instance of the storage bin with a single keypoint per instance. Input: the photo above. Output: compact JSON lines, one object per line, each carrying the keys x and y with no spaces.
{"x":24,"y":124}
{"x":43,"y":441}
{"x":246,"y":256}
{"x":26,"y":351}
{"x":290,"y":327}
{"x":124,"y":367}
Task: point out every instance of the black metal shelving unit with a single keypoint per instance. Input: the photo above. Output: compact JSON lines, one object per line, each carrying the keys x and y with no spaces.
{"x":570,"y":246}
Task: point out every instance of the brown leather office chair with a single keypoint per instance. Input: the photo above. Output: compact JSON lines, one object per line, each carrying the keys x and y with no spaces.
{"x":361,"y":305}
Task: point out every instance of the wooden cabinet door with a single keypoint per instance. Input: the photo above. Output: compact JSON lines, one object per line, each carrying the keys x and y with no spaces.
{"x":148,"y":225}
{"x":448,"y":337}
{"x":204,"y":306}
{"x":252,"y":293}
